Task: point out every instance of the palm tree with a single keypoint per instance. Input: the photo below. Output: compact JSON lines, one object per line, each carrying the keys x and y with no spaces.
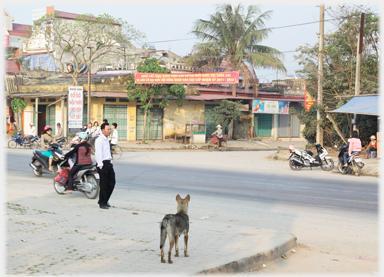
{"x":231,"y":36}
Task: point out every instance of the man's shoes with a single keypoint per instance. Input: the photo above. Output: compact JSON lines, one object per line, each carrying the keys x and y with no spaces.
{"x":104,"y":207}
{"x":108,"y":205}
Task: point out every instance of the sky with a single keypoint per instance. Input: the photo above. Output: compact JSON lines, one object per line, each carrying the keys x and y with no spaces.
{"x":174,"y":21}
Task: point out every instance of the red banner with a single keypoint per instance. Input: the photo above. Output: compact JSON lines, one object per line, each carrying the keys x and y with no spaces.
{"x":308,"y":100}
{"x":188,"y":78}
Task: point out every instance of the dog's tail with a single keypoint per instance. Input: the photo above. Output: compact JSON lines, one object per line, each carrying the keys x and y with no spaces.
{"x":163,"y":229}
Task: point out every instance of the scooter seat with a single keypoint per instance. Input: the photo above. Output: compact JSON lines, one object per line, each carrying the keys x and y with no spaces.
{"x":87,"y":166}
{"x":38,"y":153}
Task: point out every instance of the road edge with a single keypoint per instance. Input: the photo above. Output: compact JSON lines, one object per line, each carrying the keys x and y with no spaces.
{"x":254,"y":261}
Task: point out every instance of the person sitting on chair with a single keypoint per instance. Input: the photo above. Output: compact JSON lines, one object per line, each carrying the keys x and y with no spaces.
{"x":372,"y":146}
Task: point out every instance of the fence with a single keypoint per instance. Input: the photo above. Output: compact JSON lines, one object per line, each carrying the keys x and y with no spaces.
{"x":11,"y":83}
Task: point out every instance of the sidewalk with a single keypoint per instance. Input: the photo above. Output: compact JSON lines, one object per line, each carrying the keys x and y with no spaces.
{"x":54,"y":234}
{"x":233,"y":145}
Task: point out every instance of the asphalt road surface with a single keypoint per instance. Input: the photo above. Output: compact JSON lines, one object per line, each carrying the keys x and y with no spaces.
{"x":241,"y":176}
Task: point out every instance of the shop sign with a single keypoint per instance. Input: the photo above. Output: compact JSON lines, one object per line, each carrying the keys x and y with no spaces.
{"x":270,"y":107}
{"x":75,"y":108}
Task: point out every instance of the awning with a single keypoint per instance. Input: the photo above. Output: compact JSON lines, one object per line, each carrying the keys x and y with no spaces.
{"x":215,"y":97}
{"x":36,"y":94}
{"x":368,"y":105}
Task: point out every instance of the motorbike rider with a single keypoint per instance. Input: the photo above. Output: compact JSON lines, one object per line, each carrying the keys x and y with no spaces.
{"x":60,"y":133}
{"x":354,"y":147}
{"x":32,"y":133}
{"x":83,"y":157}
{"x":46,"y":140}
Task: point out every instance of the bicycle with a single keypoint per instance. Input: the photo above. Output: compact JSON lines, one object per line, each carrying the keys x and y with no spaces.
{"x":212,"y":146}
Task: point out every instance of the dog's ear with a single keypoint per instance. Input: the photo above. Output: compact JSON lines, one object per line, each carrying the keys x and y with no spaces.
{"x":178,"y":197}
{"x":188,"y":198}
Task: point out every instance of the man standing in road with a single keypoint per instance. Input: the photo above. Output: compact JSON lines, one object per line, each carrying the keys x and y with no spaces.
{"x":104,"y":166}
{"x":32,"y":133}
{"x":59,"y":132}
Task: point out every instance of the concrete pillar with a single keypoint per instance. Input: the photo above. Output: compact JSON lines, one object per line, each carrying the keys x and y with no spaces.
{"x":37,"y":115}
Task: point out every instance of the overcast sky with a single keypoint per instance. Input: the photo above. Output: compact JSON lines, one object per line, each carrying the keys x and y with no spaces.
{"x":173,"y":21}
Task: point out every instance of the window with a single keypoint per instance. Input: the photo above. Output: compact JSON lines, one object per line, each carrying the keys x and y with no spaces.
{"x":51,"y":99}
{"x":43,"y":100}
{"x":123,"y":100}
{"x":110,"y":99}
{"x":32,"y":100}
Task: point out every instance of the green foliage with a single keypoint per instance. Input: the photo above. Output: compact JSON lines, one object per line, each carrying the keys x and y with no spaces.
{"x":18,"y":105}
{"x":225,"y":112}
{"x":340,"y":49}
{"x":234,"y":34}
{"x":148,"y":94}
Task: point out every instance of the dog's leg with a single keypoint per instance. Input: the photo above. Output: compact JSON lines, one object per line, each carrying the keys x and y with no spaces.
{"x":186,"y":245}
{"x":171,"y":243}
{"x":177,"y":246}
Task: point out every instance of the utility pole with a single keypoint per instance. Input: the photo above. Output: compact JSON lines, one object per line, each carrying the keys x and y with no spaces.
{"x":319,"y":130}
{"x":358,"y":60}
{"x":89,"y":86}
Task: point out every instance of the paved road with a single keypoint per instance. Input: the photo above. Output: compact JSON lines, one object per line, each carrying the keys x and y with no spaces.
{"x":240,"y":176}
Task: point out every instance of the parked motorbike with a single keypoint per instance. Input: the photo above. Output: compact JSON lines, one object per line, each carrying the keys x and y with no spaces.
{"x":86,"y":180}
{"x":304,"y":158}
{"x":40,"y":163}
{"x":23,"y":142}
{"x":354,"y":162}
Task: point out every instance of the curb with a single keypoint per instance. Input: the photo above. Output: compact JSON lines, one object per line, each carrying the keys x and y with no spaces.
{"x":252,"y":262}
{"x":188,"y":149}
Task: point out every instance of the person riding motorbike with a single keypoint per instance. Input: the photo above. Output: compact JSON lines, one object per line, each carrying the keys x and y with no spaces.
{"x":354,"y":147}
{"x":32,"y":133}
{"x":46,"y":140}
{"x":83,"y":157}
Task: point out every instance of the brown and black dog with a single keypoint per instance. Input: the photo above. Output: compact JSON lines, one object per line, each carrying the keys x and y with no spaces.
{"x":175,"y":225}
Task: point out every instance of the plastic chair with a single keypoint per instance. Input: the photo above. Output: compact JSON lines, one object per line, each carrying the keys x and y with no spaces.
{"x":373,"y":153}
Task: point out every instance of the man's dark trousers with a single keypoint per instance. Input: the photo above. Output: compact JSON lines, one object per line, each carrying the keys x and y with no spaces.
{"x":107,"y":182}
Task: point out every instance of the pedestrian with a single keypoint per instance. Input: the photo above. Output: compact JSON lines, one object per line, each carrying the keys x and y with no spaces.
{"x":60,"y":133}
{"x":115,"y":135}
{"x":354,"y":147}
{"x":83,"y":157}
{"x":32,"y":133}
{"x":372,"y":146}
{"x":104,"y":166}
{"x":96,"y":129}
{"x":219,"y":134}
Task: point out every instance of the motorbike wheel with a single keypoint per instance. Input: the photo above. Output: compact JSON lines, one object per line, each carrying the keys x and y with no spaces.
{"x":342,"y":170}
{"x":116,"y":152}
{"x":294,"y":165}
{"x":37,"y":173}
{"x":58,"y":188}
{"x":95,"y":192}
{"x":12,"y":144}
{"x":327,"y":165}
{"x":358,"y":170}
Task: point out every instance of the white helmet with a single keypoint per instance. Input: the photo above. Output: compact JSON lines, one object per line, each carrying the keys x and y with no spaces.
{"x":31,"y":123}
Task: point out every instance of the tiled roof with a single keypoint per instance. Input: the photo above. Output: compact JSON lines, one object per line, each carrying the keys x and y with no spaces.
{"x":81,"y":80}
{"x":12,"y":67}
{"x":18,"y":29}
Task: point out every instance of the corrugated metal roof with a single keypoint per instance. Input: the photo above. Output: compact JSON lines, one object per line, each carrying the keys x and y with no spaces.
{"x":361,"y":105}
{"x":68,"y":15}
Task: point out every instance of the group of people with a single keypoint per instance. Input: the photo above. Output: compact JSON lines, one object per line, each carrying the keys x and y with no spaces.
{"x":355,"y":147}
{"x":94,"y":130}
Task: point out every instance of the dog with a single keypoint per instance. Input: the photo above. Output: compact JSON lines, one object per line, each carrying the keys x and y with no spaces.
{"x":174,"y":225}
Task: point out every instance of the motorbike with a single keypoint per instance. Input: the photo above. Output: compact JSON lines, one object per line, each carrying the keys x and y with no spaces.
{"x":23,"y":142}
{"x":40,"y":163}
{"x":354,"y":162}
{"x":74,"y":141}
{"x":304,"y":158}
{"x":62,"y":141}
{"x":86,"y":180}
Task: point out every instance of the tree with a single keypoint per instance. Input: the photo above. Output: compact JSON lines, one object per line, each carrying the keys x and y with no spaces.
{"x":235,"y":37}
{"x":18,"y":105}
{"x":226,"y":113}
{"x":340,"y":49}
{"x":148,"y":94}
{"x":71,"y":39}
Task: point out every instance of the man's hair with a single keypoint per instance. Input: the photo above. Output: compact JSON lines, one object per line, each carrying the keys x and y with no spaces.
{"x":114,"y":124}
{"x":58,"y":124}
{"x":355,"y":134}
{"x":105,"y":120}
{"x":102,"y":127}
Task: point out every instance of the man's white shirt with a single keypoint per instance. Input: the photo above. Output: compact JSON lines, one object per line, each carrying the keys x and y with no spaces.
{"x":33,"y":131}
{"x":102,"y":150}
